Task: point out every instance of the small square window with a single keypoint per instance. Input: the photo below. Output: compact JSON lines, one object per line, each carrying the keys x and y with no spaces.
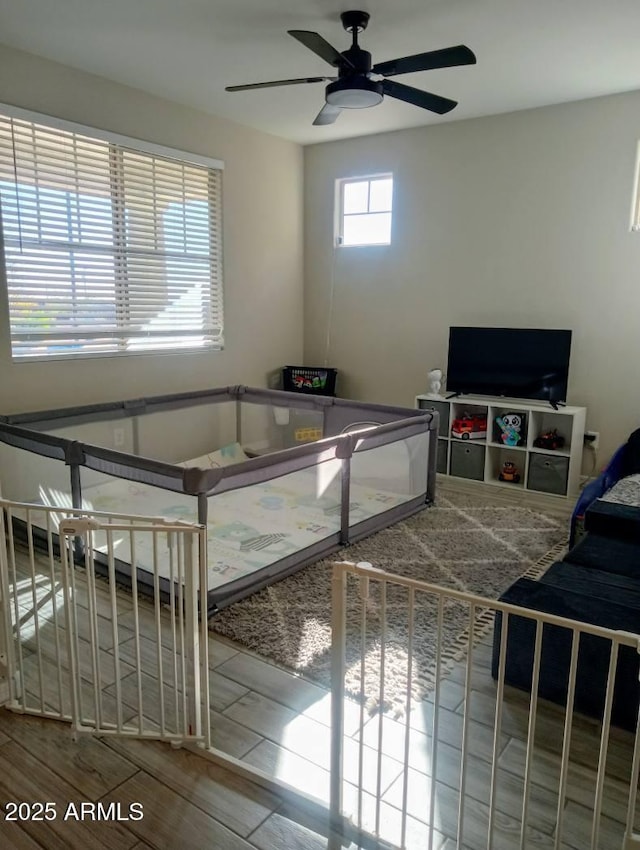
{"x":364,"y":210}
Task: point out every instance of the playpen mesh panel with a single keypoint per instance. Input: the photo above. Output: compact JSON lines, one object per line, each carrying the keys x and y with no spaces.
{"x":118,"y":495}
{"x":171,"y":436}
{"x":256,"y":526}
{"x":30,"y":477}
{"x":399,"y":467}
{"x":190,"y":432}
{"x":340,"y":417}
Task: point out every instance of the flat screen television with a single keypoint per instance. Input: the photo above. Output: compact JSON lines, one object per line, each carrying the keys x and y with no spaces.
{"x":513,"y":362}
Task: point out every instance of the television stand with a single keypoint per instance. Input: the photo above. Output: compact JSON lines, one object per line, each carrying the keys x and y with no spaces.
{"x":557,"y":404}
{"x":481,"y":456}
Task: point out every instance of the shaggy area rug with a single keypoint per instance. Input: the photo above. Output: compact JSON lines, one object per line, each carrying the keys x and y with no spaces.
{"x":461,"y":542}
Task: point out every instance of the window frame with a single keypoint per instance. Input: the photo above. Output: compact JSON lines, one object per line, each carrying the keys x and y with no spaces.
{"x":634,"y":225}
{"x":135,"y":145}
{"x":340,"y":214}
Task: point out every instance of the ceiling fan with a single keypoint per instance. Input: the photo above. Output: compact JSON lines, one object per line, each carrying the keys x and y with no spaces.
{"x":359,"y":83}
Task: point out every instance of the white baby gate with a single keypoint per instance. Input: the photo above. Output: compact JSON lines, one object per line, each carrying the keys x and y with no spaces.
{"x":423,"y":772}
{"x":74,"y":648}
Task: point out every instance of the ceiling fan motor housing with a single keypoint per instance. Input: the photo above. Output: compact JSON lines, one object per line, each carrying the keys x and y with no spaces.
{"x":354,"y":89}
{"x":354,"y":92}
{"x":358,"y":60}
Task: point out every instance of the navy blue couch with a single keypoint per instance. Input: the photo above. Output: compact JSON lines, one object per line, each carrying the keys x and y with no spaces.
{"x":598,"y":582}
{"x":625,"y":461}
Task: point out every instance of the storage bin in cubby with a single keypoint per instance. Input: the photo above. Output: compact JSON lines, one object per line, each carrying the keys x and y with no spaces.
{"x":548,"y":473}
{"x":442,"y":408}
{"x":441,"y":463}
{"x":467,"y":461}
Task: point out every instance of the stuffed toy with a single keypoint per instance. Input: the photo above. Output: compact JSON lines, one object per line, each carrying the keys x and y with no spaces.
{"x":434,"y":378}
{"x":510,"y":424}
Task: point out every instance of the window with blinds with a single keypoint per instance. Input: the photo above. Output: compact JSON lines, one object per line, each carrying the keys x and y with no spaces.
{"x":109,"y":249}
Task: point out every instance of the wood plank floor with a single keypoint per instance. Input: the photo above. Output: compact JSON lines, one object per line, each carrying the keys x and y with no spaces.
{"x":280,"y":723}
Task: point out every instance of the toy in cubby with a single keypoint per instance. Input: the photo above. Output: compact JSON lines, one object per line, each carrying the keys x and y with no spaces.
{"x":511,"y":429}
{"x":549,"y":440}
{"x":509,"y":472}
{"x":470,"y":426}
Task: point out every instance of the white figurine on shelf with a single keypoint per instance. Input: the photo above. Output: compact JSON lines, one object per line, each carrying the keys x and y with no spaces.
{"x":434,"y":378}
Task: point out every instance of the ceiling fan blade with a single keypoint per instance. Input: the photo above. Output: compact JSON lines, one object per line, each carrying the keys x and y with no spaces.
{"x":417,"y":97}
{"x":327,"y":114}
{"x":446,"y":58}
{"x":280,"y":83}
{"x":315,"y":42}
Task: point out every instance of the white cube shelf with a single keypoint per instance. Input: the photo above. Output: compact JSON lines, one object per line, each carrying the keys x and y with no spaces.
{"x":541,"y":470}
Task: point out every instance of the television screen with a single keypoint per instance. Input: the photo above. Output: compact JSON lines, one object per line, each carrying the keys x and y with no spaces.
{"x":513,"y":362}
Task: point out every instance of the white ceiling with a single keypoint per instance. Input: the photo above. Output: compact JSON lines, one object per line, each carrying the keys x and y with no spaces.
{"x":529,"y":53}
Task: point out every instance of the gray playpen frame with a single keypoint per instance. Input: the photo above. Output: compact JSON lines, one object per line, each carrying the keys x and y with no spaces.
{"x":28,"y":431}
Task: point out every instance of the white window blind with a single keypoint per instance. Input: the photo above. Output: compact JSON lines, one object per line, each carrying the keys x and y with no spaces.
{"x":108,"y":249}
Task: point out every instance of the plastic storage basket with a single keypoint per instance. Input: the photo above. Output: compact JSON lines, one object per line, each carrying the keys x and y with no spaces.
{"x":309,"y":379}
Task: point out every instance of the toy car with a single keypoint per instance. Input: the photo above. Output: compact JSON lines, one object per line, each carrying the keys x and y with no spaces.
{"x":549,"y":440}
{"x":509,"y":472}
{"x":470,"y":426}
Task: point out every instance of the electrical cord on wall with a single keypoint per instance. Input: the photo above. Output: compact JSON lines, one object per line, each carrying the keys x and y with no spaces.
{"x":589,"y":475}
{"x":332,"y":287}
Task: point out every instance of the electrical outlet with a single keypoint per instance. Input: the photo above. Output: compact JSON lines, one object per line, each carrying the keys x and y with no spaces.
{"x":118,"y":437}
{"x":592,"y":438}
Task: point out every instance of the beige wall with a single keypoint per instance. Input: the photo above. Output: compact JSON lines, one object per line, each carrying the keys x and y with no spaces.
{"x":514,"y":220}
{"x":262,"y":243}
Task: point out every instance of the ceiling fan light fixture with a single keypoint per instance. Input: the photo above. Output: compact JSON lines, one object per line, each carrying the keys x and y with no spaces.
{"x":354,"y":93}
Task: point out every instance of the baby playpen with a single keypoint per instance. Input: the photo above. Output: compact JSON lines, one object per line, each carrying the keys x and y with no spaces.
{"x":279,"y":479}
